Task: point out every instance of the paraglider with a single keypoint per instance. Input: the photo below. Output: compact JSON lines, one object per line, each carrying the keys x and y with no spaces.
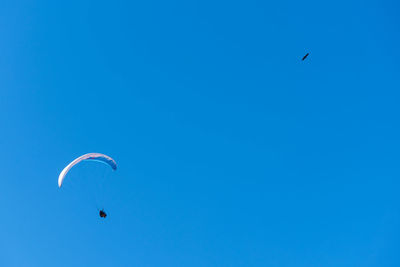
{"x":88,"y":157}
{"x":305,"y":56}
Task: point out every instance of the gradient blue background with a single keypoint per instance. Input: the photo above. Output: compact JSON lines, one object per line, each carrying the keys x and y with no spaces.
{"x":231,"y":150}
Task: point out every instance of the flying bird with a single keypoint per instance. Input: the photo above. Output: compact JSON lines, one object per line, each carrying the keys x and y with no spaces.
{"x":305,"y":56}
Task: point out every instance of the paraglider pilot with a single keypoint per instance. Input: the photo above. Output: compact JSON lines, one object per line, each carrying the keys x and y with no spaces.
{"x":102,"y":214}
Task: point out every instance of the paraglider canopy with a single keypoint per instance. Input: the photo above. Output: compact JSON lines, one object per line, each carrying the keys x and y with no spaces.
{"x":90,"y":156}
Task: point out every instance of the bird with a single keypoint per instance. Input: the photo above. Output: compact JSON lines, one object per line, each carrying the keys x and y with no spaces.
{"x":305,"y":56}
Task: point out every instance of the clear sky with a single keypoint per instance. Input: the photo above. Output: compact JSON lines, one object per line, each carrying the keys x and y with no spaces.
{"x":231,"y":150}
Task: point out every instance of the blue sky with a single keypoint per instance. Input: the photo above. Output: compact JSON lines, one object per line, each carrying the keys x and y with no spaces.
{"x":231,"y":150}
